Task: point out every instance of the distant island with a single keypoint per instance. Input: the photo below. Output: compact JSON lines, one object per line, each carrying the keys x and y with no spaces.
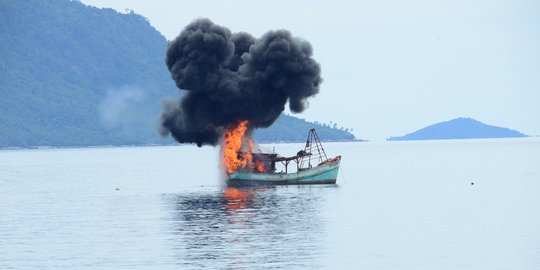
{"x":459,"y":128}
{"x":73,"y":75}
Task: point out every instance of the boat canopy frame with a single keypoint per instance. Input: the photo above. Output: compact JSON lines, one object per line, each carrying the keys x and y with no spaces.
{"x":312,"y":151}
{"x":315,"y":150}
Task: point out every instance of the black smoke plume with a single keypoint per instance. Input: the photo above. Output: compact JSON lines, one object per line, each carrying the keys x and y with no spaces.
{"x":230,"y":77}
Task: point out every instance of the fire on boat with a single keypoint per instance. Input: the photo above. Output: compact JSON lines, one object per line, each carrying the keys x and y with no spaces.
{"x":309,"y":166}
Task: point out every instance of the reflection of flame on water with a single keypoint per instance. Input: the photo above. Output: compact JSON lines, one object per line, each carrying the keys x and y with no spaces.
{"x":238,"y":198}
{"x":237,"y":148}
{"x":233,"y":228}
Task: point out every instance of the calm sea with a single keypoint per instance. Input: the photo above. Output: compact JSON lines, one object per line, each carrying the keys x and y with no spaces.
{"x":471,"y":204}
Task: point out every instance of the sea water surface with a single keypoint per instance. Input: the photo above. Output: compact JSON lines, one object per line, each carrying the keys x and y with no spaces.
{"x":467,"y":204}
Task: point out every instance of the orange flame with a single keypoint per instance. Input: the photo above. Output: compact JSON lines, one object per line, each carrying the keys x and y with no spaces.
{"x":259,"y":166}
{"x":247,"y":153}
{"x":237,"y":149}
{"x":232,"y":144}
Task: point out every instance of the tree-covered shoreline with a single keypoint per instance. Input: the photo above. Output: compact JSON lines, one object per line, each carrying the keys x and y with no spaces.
{"x":73,"y":75}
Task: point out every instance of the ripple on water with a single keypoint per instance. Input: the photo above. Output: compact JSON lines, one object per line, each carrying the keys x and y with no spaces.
{"x":273,"y":228}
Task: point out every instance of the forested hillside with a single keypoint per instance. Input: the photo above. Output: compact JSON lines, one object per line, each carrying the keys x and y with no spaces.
{"x":75,"y":75}
{"x":291,"y":129}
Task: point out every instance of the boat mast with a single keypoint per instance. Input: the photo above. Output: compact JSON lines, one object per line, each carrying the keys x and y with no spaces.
{"x":315,"y":148}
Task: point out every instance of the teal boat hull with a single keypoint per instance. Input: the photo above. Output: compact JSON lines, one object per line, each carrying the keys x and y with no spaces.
{"x":323,"y":174}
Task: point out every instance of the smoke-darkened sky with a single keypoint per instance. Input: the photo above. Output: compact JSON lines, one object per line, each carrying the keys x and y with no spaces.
{"x":231,"y":77}
{"x":391,"y":67}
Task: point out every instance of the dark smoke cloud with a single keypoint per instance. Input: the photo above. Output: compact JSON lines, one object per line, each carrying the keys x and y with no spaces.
{"x":231,"y":77}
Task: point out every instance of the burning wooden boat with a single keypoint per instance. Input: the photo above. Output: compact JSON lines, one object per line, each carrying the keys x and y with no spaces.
{"x":312,"y":167}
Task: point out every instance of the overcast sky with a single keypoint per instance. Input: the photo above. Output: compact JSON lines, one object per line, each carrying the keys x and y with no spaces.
{"x":392,"y":67}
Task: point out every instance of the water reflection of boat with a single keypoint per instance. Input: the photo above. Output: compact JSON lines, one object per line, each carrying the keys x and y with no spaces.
{"x":247,"y":228}
{"x":238,"y":198}
{"x":324,"y":172}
